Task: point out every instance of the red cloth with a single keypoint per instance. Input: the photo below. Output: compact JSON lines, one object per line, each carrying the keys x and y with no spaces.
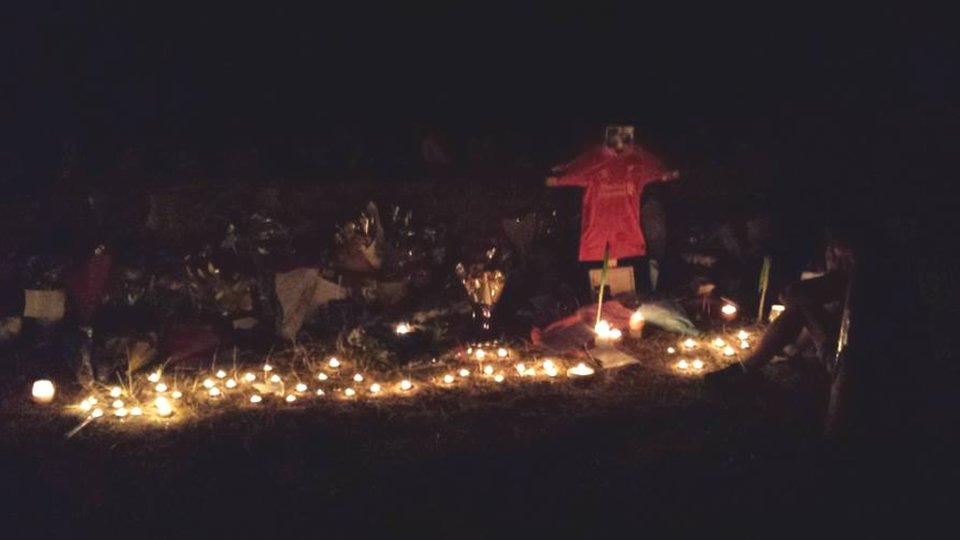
{"x":611,"y":204}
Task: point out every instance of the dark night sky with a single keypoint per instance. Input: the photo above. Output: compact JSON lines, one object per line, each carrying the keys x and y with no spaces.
{"x":106,"y":70}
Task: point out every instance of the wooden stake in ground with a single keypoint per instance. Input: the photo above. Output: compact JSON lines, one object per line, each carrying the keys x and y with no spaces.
{"x":763,"y":285}
{"x":603,"y":281}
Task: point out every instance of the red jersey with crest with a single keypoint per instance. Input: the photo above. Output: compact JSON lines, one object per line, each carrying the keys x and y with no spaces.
{"x":611,"y":204}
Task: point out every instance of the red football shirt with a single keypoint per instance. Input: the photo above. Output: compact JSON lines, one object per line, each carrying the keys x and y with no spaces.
{"x":611,"y":204}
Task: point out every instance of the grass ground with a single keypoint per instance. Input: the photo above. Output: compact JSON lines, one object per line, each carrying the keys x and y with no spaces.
{"x":644,"y":445}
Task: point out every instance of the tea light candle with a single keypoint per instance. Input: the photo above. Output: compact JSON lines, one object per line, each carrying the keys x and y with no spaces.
{"x":249,"y":377}
{"x":729,"y":351}
{"x":682,"y":365}
{"x":606,"y":336}
{"x":275,"y":379}
{"x":671,"y":350}
{"x":291,"y":398}
{"x":406,"y":385}
{"x":697,"y":364}
{"x":375,"y":388}
{"x":214,"y":392}
{"x":115,"y":392}
{"x":448,"y":378}
{"x":349,"y":392}
{"x":117,"y":404}
{"x":502,"y":352}
{"x":163,"y":406}
{"x":96,"y":413}
{"x":320,"y":391}
{"x":208,"y":383}
{"x":403,"y":328}
{"x":154,"y":377}
{"x":256,"y":398}
{"x":464,"y":372}
{"x":488,"y":369}
{"x":775,"y":311}
{"x":267,"y":367}
{"x":742,"y":335}
{"x":176,"y":394}
{"x":580,"y":370}
{"x":230,"y":383}
{"x":358,"y":377}
{"x":689,"y":343}
{"x":498,"y":377}
{"x":301,"y":387}
{"x":136,"y":411}
{"x":729,"y":311}
{"x":480,"y":354}
{"x":43,"y":391}
{"x":160,"y":387}
{"x":221,"y":374}
{"x":334,"y":362}
{"x":322,"y":376}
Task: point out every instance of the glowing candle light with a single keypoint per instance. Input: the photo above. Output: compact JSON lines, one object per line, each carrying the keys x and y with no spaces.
{"x":403,"y":328}
{"x":256,"y":398}
{"x":117,"y":404}
{"x":154,"y":377}
{"x":176,"y":394}
{"x":85,"y":405}
{"x":43,"y":391}
{"x":349,"y":392}
{"x":683,"y":364}
{"x":606,"y":335}
{"x":549,"y":364}
{"x":358,"y":378}
{"x":551,"y":371}
{"x":136,"y":411}
{"x":719,"y":343}
{"x":92,"y":400}
{"x":689,"y":343}
{"x":249,"y":377}
{"x":221,"y":374}
{"x":775,"y":311}
{"x":488,"y":369}
{"x":744,"y":344}
{"x":160,"y":387}
{"x":322,"y":376}
{"x":580,"y":370}
{"x":636,"y":324}
{"x":214,"y":392}
{"x":480,"y":354}
{"x":121,"y":412}
{"x":291,"y":398}
{"x":375,"y":388}
{"x":502,"y":352}
{"x":334,"y":363}
{"x":697,"y":364}
{"x":729,"y":351}
{"x":208,"y":383}
{"x":448,"y":378}
{"x":729,"y":311}
{"x":275,"y":379}
{"x":742,"y":335}
{"x":267,"y":367}
{"x":498,"y":377}
{"x":464,"y":372}
{"x":301,"y":387}
{"x":406,"y":385}
{"x":115,"y":391}
{"x":521,"y":368}
{"x":671,"y":350}
{"x":320,"y":391}
{"x":96,"y":413}
{"x":163,"y":406}
{"x":230,"y":383}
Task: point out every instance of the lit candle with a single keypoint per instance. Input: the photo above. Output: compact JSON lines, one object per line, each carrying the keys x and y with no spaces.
{"x":214,"y":392}
{"x":176,"y":394}
{"x":744,"y":344}
{"x":682,"y":364}
{"x":267,"y":367}
{"x":480,"y":354}
{"x":291,"y":398}
{"x":163,"y":406}
{"x":136,"y":411}
{"x":249,"y":377}
{"x":320,"y":391}
{"x":689,"y":343}
{"x":448,"y":378}
{"x":488,"y":369}
{"x":464,"y":372}
{"x":606,"y":335}
{"x":275,"y":379}
{"x":121,"y":412}
{"x":729,"y":351}
{"x":374,"y":388}
{"x":208,"y":383}
{"x":230,"y":383}
{"x":671,"y":350}
{"x":405,"y":385}
{"x":160,"y":387}
{"x":334,"y":363}
{"x":221,"y":374}
{"x":301,"y":387}
{"x":697,"y":364}
{"x":117,"y":404}
{"x":719,"y":343}
{"x":43,"y":391}
{"x":85,"y":405}
{"x":96,"y":413}
{"x":498,"y":377}
{"x":403,"y":328}
{"x":775,"y":311}
{"x":636,"y":324}
{"x":322,"y":376}
{"x":349,"y":392}
{"x":256,"y":398}
{"x":115,"y":391}
{"x":580,"y":370}
{"x":502,"y":352}
{"x":521,"y":367}
{"x":154,"y":377}
{"x":742,"y":334}
{"x":358,"y":377}
{"x":729,"y":311}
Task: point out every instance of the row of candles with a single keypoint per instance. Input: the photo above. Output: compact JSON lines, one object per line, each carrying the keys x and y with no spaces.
{"x":158,"y":397}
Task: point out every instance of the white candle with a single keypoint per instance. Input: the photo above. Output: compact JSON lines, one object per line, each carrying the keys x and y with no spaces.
{"x":580,"y":370}
{"x":43,"y":391}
